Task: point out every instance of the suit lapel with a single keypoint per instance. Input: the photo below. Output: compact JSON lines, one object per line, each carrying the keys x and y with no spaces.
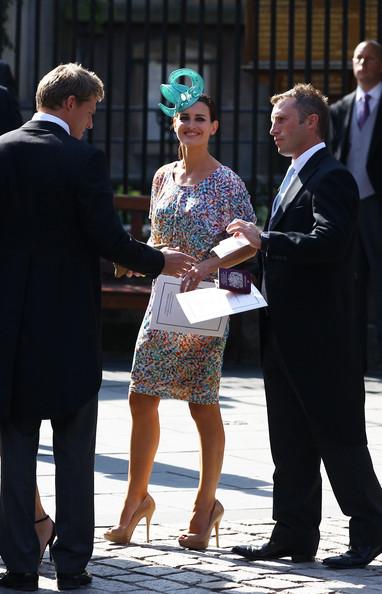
{"x":377,"y":136}
{"x":349,"y":106}
{"x":348,"y":103}
{"x":297,"y":185}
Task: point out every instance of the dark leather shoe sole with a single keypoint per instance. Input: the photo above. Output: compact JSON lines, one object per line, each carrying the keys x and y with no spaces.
{"x":18,"y":581}
{"x":68,"y":581}
{"x":260,"y":555}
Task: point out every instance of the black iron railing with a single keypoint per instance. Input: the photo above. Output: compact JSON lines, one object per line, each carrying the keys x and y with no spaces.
{"x":245,"y":49}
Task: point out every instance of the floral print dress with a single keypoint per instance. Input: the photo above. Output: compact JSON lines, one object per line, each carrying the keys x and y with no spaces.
{"x":169,"y":364}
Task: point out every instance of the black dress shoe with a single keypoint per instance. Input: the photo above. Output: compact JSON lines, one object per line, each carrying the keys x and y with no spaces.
{"x":271,"y":550}
{"x":71,"y":581}
{"x":354,"y":557}
{"x":27,"y":582}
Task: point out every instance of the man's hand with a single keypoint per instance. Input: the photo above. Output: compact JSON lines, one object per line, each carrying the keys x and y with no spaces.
{"x":249,"y":230}
{"x":120,"y":271}
{"x":176,"y":263}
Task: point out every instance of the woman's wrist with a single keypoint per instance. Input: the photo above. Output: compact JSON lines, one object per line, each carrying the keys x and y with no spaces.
{"x":211,"y":265}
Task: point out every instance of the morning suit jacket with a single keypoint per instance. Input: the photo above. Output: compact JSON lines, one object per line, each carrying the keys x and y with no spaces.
{"x":341,"y":114}
{"x":57,"y":219}
{"x":10,"y":117}
{"x":6,"y":78}
{"x":308,"y":272}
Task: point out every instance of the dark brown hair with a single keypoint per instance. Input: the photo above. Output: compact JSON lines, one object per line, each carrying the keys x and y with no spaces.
{"x":204,"y":98}
{"x":207,"y":100}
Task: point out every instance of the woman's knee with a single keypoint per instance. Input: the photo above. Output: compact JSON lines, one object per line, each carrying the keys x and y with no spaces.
{"x":201,"y":412}
{"x":143,"y":404}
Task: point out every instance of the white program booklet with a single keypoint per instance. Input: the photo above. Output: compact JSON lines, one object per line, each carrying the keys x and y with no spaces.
{"x":168,"y":315}
{"x":201,"y":305}
{"x":229,"y":245}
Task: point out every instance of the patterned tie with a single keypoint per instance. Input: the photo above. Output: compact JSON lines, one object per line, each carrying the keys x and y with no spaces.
{"x":364,"y":112}
{"x":282,"y":189}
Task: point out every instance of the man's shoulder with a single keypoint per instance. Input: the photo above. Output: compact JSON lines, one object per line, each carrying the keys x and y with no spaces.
{"x":321,"y":165}
{"x":81,"y":153}
{"x":330,"y":163}
{"x":343,"y":103}
{"x":332,"y":171}
{"x":57,"y":138}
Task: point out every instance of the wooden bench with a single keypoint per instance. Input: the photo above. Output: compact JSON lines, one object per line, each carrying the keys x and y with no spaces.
{"x":125,"y":293}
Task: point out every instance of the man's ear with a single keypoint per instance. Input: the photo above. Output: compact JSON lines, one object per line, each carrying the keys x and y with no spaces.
{"x":69,"y":102}
{"x":312,"y":120}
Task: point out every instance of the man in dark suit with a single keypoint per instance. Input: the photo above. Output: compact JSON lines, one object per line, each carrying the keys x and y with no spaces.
{"x":10,"y":117}
{"x":313,"y":380}
{"x":357,"y":142}
{"x":7,"y":79}
{"x":57,"y":218}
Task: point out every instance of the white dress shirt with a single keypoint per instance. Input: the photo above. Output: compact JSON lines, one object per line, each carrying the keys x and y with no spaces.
{"x":48,"y":117}
{"x":299,"y":163}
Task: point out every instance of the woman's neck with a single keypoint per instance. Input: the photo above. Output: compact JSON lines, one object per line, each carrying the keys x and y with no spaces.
{"x":194,"y":158}
{"x":195,"y":166}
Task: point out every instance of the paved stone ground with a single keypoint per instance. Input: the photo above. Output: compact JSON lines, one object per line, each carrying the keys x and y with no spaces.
{"x":245,"y":491}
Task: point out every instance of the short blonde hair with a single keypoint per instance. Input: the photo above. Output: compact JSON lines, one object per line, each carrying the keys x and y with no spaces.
{"x":65,"y":80}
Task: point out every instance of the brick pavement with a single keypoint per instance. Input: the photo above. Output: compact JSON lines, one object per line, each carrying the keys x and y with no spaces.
{"x":245,"y":491}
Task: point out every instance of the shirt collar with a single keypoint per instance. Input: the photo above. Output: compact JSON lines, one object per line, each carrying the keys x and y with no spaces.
{"x":299,"y":163}
{"x":375,"y":93}
{"x":48,"y":117}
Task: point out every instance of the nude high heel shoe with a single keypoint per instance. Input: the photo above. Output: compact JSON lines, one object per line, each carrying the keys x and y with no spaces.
{"x":123,"y":534}
{"x":200,"y":541}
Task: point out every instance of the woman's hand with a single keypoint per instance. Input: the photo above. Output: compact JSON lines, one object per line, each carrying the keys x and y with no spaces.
{"x":195,"y":275}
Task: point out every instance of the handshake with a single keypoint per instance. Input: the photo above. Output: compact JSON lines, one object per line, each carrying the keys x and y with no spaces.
{"x":176,"y":263}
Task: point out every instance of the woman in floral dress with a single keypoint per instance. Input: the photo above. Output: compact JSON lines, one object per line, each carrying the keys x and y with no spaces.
{"x":193,"y":200}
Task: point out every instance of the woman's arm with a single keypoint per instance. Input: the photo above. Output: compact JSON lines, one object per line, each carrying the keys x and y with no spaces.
{"x":210,"y":265}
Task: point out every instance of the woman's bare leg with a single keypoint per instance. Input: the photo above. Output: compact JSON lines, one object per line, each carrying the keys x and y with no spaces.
{"x":40,"y":513}
{"x":43,"y":523}
{"x":144,"y":441}
{"x":212,"y":440}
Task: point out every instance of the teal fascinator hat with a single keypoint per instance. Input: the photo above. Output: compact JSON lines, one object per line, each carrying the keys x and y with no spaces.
{"x":181,"y":96}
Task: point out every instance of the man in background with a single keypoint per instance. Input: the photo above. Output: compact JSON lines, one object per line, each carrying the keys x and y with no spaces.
{"x":10,"y":117}
{"x":7,"y":78}
{"x":357,"y":142}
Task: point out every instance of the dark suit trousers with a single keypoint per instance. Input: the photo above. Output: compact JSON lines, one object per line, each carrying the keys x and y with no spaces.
{"x":297,"y":456}
{"x":73,"y":448}
{"x":369,"y":265}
